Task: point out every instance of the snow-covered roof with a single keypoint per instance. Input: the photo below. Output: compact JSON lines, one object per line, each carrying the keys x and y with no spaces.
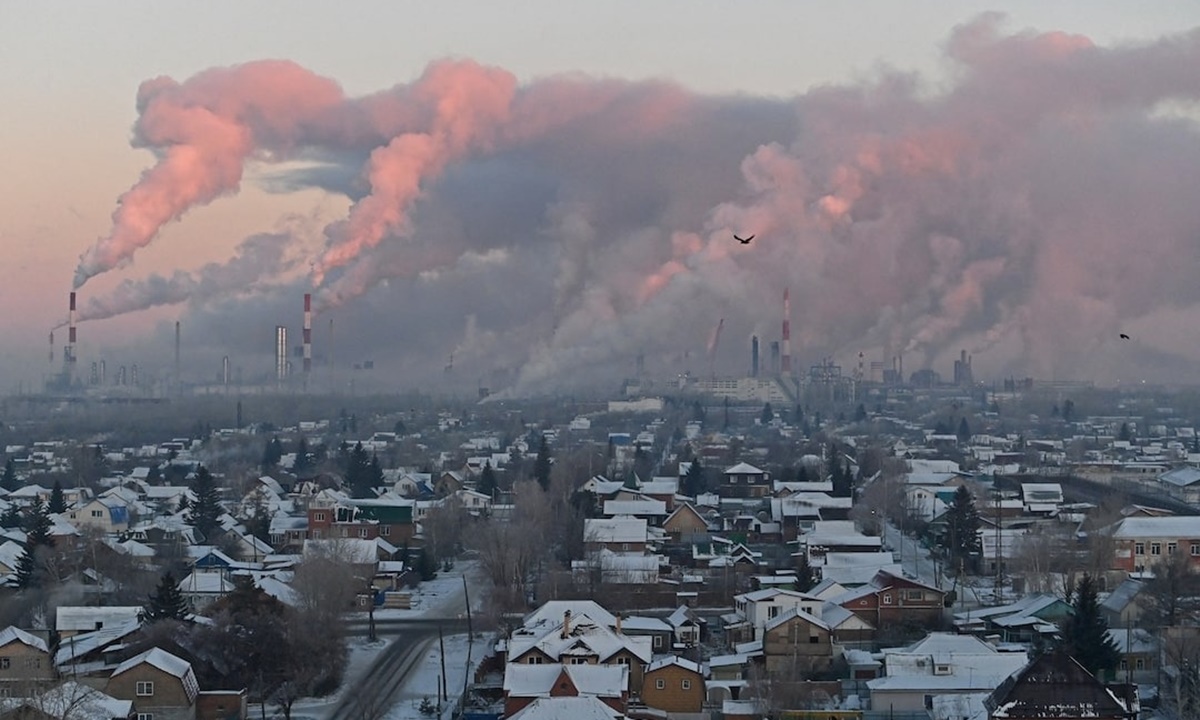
{"x":585,"y":637}
{"x":677,"y":662}
{"x":15,"y":634}
{"x":71,"y":700}
{"x":77,"y":618}
{"x":538,"y":680}
{"x":586,"y":707}
{"x":552,"y":611}
{"x":1169,"y":526}
{"x":168,"y":663}
{"x":743,"y":469}
{"x":620,"y":529}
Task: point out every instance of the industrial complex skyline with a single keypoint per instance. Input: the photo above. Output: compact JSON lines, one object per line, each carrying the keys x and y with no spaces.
{"x":1017,"y":190}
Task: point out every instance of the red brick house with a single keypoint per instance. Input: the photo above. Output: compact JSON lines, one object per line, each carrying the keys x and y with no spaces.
{"x":525,"y":683}
{"x":889,"y":599}
{"x":364,"y":519}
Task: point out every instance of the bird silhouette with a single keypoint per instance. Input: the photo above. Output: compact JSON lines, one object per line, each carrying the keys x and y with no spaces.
{"x":1124,"y":336}
{"x":744,"y":241}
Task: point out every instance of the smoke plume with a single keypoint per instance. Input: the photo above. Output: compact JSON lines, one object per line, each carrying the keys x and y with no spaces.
{"x":1026,"y":208}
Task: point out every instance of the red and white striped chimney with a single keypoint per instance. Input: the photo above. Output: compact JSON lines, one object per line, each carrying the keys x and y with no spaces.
{"x":786,"y":362}
{"x":307,"y":333}
{"x":69,"y":353}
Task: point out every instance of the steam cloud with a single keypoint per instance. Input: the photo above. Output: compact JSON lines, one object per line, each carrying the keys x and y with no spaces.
{"x":1041,"y":199}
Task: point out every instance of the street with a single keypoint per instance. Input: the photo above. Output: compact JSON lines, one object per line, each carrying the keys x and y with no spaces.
{"x":918,"y":564}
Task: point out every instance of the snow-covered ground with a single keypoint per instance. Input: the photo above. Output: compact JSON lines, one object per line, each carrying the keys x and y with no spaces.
{"x":422,"y":682}
{"x":443,"y":596}
{"x":362,"y":654}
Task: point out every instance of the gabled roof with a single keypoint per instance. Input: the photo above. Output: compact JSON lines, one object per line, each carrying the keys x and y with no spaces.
{"x":577,"y":708}
{"x":1055,"y":685}
{"x":677,"y":662}
{"x":743,"y":469}
{"x":522,"y":680}
{"x":71,"y":699}
{"x":15,"y":634}
{"x":168,"y":663}
{"x":794,"y":613}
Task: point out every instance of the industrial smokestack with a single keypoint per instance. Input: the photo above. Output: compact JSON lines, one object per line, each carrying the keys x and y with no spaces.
{"x":178,"y":376}
{"x":103,"y":373}
{"x":281,"y":361}
{"x":69,"y":350}
{"x":52,"y":346}
{"x":787,"y":333}
{"x":307,"y":336}
{"x":753,"y":356}
{"x":225,"y":371}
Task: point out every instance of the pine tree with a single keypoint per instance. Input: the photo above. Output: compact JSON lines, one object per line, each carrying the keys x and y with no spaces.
{"x":358,"y":472}
{"x":964,"y":431}
{"x":30,"y":571}
{"x":206,"y":508}
{"x":487,"y":480}
{"x":767,"y":414}
{"x":805,"y":577}
{"x":58,"y":503}
{"x":962,"y":541}
{"x":1085,"y":633}
{"x":10,"y":519}
{"x":9,"y":482}
{"x":541,"y":466}
{"x":693,"y":482}
{"x":304,"y":459}
{"x":1125,"y":433}
{"x":374,"y":473}
{"x":272,"y":453}
{"x":426,"y":565}
{"x":38,"y":525}
{"x":165,"y":603}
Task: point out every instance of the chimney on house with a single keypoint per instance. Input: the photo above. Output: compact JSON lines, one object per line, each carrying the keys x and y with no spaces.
{"x":618,"y":623}
{"x":566,"y":631}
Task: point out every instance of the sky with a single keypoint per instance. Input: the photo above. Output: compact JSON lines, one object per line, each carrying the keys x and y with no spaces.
{"x":924,"y":177}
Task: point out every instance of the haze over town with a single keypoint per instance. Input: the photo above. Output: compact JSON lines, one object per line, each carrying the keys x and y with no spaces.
{"x":547,"y":208}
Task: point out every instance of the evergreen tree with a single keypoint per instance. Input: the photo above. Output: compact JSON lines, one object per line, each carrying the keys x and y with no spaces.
{"x":1125,"y":433}
{"x":58,"y":503}
{"x":1085,"y":632}
{"x":805,"y":577}
{"x":183,"y":504}
{"x":206,"y":508}
{"x":541,"y":466}
{"x":272,"y":453}
{"x":374,"y":473}
{"x":487,"y":480}
{"x":10,"y":519}
{"x":358,"y":472}
{"x":1068,"y":410}
{"x":693,"y":482}
{"x":304,"y":459}
{"x":961,"y":541}
{"x":31,"y":570}
{"x":9,"y":482}
{"x":767,"y":414}
{"x":154,"y":476}
{"x":165,"y":603}
{"x":964,"y":431}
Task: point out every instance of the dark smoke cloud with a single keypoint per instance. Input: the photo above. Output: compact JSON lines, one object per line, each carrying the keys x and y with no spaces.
{"x":1026,"y":209}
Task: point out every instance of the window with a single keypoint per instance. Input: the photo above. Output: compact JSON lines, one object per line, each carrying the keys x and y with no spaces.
{"x":686,"y":684}
{"x":5,"y":692}
{"x":32,"y":663}
{"x":622,"y":661}
{"x":362,"y":532}
{"x":928,"y":702}
{"x":97,"y":513}
{"x":660,"y":684}
{"x":5,"y":663}
{"x":345,"y":532}
{"x":579,"y":661}
{"x":814,"y":640}
{"x":915,"y":595}
{"x":145,"y":716}
{"x":1156,"y":548}
{"x":1139,"y":664}
{"x":773,"y":612}
{"x":319,"y":517}
{"x":1139,"y":548}
{"x":145,"y":688}
{"x":1171,"y":548}
{"x":385,"y":530}
{"x":658,"y":641}
{"x":887,"y":599}
{"x":1196,"y":548}
{"x":535,"y":660}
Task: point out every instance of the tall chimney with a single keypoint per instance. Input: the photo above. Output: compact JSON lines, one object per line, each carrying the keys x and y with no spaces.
{"x":69,"y":350}
{"x":103,"y":373}
{"x":178,"y":377}
{"x":566,"y":629}
{"x":307,"y":336}
{"x":753,"y":356}
{"x":225,"y":371}
{"x":51,"y":346}
{"x":618,"y":623}
{"x":787,"y":334}
{"x":281,"y":361}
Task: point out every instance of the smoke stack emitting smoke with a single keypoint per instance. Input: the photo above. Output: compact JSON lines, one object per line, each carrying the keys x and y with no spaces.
{"x":992,"y":215}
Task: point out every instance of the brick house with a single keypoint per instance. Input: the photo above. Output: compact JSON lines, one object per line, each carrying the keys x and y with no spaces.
{"x":745,"y":481}
{"x":365,"y":519}
{"x":1143,"y":542}
{"x":674,"y":685}
{"x":891,"y":600}
{"x":160,"y":685}
{"x":796,"y":644}
{"x":525,"y":683}
{"x":25,"y":663}
{"x":621,"y":534}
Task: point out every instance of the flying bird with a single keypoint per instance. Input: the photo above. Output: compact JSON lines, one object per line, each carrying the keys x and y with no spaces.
{"x":1124,"y":336}
{"x":744,"y":241}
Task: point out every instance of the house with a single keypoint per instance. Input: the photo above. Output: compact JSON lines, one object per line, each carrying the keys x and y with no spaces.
{"x":1139,"y":654}
{"x":893,"y":599}
{"x":1183,"y":484}
{"x":660,"y":632}
{"x":523,"y":684}
{"x":69,"y":700}
{"x":745,"y":481}
{"x":686,"y":525}
{"x":25,"y":663}
{"x":940,"y":664}
{"x":753,"y":610}
{"x":674,"y":685}
{"x":1041,"y":498}
{"x":1143,"y":542}
{"x":1030,"y":618}
{"x":840,"y":536}
{"x":73,"y":620}
{"x":622,"y":534}
{"x":160,"y":685}
{"x":796,"y":643}
{"x":106,"y":514}
{"x":335,"y":515}
{"x":202,"y":588}
{"x":575,"y":708}
{"x":1056,"y":687}
{"x":578,"y":639}
{"x":687,"y":626}
{"x":1122,"y":607}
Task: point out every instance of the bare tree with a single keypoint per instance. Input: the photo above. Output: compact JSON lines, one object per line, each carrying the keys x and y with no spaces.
{"x":443,"y":528}
{"x":330,"y":576}
{"x":1045,"y":560}
{"x":1172,"y":596}
{"x":512,"y":552}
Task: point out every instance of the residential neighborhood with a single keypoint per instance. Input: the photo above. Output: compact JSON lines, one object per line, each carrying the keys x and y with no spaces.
{"x":620,"y":564}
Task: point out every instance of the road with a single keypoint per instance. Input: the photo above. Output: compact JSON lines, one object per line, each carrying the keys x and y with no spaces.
{"x":917,"y":562}
{"x":372,"y":694}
